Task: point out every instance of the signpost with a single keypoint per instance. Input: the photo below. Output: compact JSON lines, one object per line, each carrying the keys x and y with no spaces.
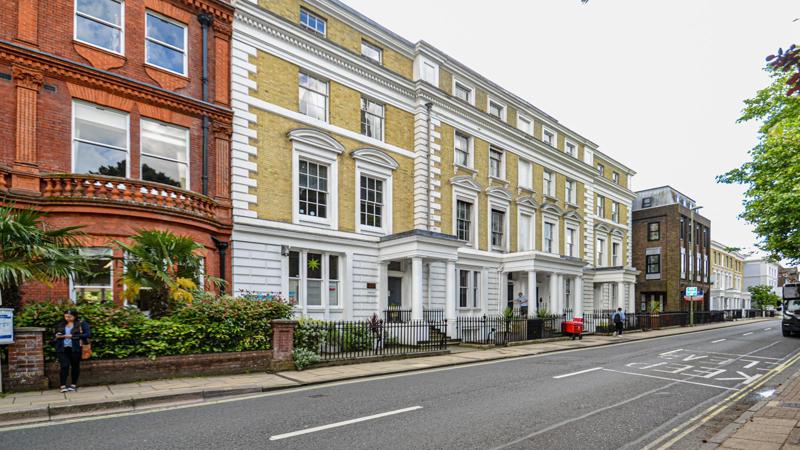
{"x":6,"y":333}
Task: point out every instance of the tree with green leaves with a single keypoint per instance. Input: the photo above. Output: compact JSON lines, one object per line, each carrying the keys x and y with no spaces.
{"x":32,"y":250}
{"x":772,"y":198}
{"x":763,"y":297}
{"x":162,"y":270}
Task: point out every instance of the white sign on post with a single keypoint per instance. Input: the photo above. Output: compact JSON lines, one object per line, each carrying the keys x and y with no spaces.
{"x":6,"y":326}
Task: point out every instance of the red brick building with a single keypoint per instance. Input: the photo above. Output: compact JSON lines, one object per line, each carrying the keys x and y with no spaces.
{"x":116,"y":116}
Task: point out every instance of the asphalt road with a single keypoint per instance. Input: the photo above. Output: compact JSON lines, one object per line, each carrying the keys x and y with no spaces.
{"x":621,"y":396}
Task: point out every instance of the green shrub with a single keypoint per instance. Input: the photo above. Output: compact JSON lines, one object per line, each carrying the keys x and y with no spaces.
{"x":208,"y":325}
{"x":352,"y":337}
{"x":304,"y":358}
{"x":309,"y":334}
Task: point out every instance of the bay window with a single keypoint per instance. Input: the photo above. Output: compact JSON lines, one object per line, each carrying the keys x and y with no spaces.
{"x":165,"y":153}
{"x":165,"y":43}
{"x":101,"y":23}
{"x":100,"y":140}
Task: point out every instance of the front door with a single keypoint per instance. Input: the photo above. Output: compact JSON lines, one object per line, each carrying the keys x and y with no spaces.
{"x":395,"y":292}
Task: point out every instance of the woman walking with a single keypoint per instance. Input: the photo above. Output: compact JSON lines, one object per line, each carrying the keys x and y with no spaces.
{"x":71,"y":334}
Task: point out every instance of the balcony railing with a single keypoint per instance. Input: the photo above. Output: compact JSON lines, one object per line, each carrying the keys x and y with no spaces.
{"x":98,"y":188}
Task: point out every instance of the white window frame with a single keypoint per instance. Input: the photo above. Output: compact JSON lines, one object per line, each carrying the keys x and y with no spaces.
{"x":531,"y":214}
{"x":549,"y":183}
{"x":327,"y":95}
{"x":474,"y":288}
{"x":185,"y":51}
{"x":502,"y":175}
{"x":121,"y":27}
{"x":554,"y":221}
{"x":503,"y":111}
{"x":315,"y":16}
{"x":521,"y":118}
{"x":188,"y":151}
{"x":600,"y":207}
{"x":469,"y":196}
{"x":425,"y":62}
{"x":381,"y":173}
{"x":601,"y":169}
{"x":601,"y":243}
{"x":525,"y":167}
{"x":615,"y":211}
{"x":570,"y":251}
{"x":127,"y":137}
{"x":470,"y":149}
{"x":618,"y":243}
{"x":362,"y":111}
{"x":615,"y":177}
{"x":365,"y":43}
{"x":496,"y":204}
{"x":567,"y":144}
{"x":109,"y":252}
{"x":650,"y":252}
{"x":319,"y":155}
{"x":471,"y":96}
{"x":302,"y":298}
{"x":571,"y":192}
{"x":546,"y":130}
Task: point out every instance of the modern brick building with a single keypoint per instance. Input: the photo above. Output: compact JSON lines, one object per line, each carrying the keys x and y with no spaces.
{"x":664,"y":252}
{"x":116,"y":117}
{"x":371,"y":172}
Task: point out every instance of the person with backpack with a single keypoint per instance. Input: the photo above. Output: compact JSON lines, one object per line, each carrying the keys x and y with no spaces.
{"x":619,"y":322}
{"x":72,"y":345}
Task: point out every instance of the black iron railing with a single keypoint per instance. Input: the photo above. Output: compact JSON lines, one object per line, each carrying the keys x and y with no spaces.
{"x":393,"y":315}
{"x":353,"y":340}
{"x":432,"y":315}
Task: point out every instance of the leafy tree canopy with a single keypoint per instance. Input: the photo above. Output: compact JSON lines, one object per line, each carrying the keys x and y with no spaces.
{"x":762,"y":296}
{"x":772,"y":198}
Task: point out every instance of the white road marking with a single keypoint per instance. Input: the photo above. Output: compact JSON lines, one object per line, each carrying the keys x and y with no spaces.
{"x":767,"y":329}
{"x":751,"y":364}
{"x":748,"y":355}
{"x":672,"y":379}
{"x":341,"y":424}
{"x":718,"y":340}
{"x":748,"y":334}
{"x":577,"y":373}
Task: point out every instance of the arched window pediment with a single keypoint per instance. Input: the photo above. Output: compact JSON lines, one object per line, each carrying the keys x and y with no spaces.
{"x":375,"y":156}
{"x":317,"y":139}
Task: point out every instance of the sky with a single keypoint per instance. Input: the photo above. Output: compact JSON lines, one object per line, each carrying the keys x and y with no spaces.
{"x":657,"y":84}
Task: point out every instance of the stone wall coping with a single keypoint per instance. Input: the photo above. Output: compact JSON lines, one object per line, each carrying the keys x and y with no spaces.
{"x":29,"y":330}
{"x":284,"y":321}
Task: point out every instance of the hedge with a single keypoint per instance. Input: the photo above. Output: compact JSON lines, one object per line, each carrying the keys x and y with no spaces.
{"x":208,"y":325}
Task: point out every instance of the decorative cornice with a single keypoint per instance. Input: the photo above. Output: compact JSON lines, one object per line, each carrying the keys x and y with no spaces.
{"x":71,"y":71}
{"x":222,"y":128}
{"x":218,"y":9}
{"x":500,"y":193}
{"x":27,"y":78}
{"x":466,"y":182}
{"x":552,"y":208}
{"x":222,"y":28}
{"x":530,"y":202}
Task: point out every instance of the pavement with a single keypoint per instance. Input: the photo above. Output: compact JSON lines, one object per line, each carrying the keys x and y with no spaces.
{"x":772,"y":423}
{"x":38,"y":406}
{"x":622,"y":395}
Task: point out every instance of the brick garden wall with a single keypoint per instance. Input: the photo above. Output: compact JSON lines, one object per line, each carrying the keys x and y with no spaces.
{"x":128,"y":370}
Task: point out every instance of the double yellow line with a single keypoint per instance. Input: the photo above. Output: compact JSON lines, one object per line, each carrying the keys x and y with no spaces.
{"x":697,"y":421}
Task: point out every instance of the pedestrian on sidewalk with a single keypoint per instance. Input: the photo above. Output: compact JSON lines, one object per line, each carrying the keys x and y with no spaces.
{"x":72,"y":334}
{"x":619,"y":321}
{"x":522,"y":300}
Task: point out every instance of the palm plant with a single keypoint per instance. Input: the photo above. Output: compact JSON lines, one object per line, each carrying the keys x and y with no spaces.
{"x":30,"y":250}
{"x":162,"y":269}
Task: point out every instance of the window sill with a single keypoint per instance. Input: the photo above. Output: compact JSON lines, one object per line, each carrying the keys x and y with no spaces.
{"x":309,"y":220}
{"x":460,"y":167}
{"x":364,"y":229}
{"x":502,"y":181}
{"x":165,"y":78}
{"x":551,"y":198}
{"x":99,"y":57}
{"x":572,"y":204}
{"x":526,"y":189}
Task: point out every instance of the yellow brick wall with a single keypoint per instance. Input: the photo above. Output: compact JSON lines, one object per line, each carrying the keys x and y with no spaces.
{"x":511,"y":116}
{"x":447,"y":133}
{"x":481,"y":158}
{"x":446,"y":81}
{"x":341,"y":34}
{"x":344,"y":107}
{"x":610,"y":168}
{"x":277,"y":81}
{"x":481,"y":99}
{"x":399,"y":128}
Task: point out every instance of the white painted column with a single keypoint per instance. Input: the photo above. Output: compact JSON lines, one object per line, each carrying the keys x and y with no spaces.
{"x":632,"y":297}
{"x":416,"y":288}
{"x":553,"y":293}
{"x":532,"y":300}
{"x":562,"y":291}
{"x":450,"y":292}
{"x":347,"y":285}
{"x":383,"y":288}
{"x":577,"y":290}
{"x":620,"y":301}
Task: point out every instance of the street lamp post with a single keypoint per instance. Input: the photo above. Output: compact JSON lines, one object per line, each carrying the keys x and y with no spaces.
{"x":692,"y":259}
